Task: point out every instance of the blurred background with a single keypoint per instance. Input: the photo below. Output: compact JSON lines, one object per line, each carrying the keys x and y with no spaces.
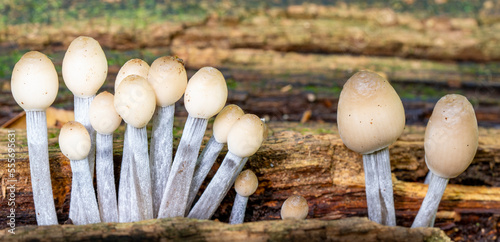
{"x":283,"y":60}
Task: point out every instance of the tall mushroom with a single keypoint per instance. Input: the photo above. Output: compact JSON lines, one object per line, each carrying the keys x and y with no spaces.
{"x":135,"y":102}
{"x":105,"y":120}
{"x":245,"y":185}
{"x":74,"y":142}
{"x":84,"y":70}
{"x":34,"y":86}
{"x":205,"y":96}
{"x":370,"y":117}
{"x":168,"y":78}
{"x":451,"y":141}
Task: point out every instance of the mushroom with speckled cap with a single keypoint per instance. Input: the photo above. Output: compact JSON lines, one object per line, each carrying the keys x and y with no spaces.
{"x":450,"y":144}
{"x":205,"y":96}
{"x":135,"y":102}
{"x":294,"y":207}
{"x":34,"y":86}
{"x":245,"y":185}
{"x":84,"y":70}
{"x":132,"y":67}
{"x":74,"y":142}
{"x":370,"y":117}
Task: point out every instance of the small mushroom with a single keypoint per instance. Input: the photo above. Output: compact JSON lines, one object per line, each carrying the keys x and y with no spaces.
{"x":84,"y":70}
{"x":294,"y":207}
{"x":105,"y":120}
{"x":34,"y":86}
{"x":370,"y":117}
{"x":74,"y":142}
{"x":245,"y":185}
{"x":168,"y":78}
{"x":451,"y":141}
{"x":205,"y":96}
{"x":135,"y":102}
{"x":244,"y":139}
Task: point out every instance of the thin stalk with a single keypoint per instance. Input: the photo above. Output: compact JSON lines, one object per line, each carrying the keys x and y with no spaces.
{"x":124,"y":202}
{"x":372,"y":188}
{"x":385,"y":186}
{"x":175,"y":197}
{"x":106,"y":191}
{"x":431,"y":202}
{"x":238,"y":211}
{"x":427,"y":181}
{"x":160,"y":158}
{"x":83,"y":205}
{"x":36,"y":127}
{"x":82,"y":107}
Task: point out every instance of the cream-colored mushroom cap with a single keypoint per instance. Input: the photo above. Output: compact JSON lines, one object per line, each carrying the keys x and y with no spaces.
{"x":246,"y":183}
{"x":294,"y":207}
{"x":103,"y":115}
{"x":168,"y":78}
{"x":34,"y":82}
{"x":246,"y":136}
{"x":84,"y":67}
{"x":225,"y":120}
{"x":370,"y":114}
{"x":206,"y":93}
{"x":451,"y":136}
{"x":74,"y":141}
{"x":135,"y":101}
{"x":132,"y":67}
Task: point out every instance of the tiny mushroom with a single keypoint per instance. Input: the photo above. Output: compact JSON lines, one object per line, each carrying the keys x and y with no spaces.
{"x":34,"y":86}
{"x":294,"y":207}
{"x":74,"y":142}
{"x":451,"y":141}
{"x":370,"y":117}
{"x":245,"y":185}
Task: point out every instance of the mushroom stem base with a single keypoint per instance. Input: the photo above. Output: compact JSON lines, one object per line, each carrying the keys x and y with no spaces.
{"x":106,"y":190}
{"x":83,"y":205}
{"x":431,"y":201}
{"x":82,"y":107}
{"x":238,"y":211}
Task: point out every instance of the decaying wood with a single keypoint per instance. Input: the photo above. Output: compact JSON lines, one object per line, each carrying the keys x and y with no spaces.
{"x":183,"y":229}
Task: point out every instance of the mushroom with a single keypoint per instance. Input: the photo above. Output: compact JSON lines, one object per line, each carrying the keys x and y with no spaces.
{"x":84,"y":70}
{"x":294,"y":207}
{"x":34,"y":86}
{"x":205,"y":96}
{"x":105,"y":120}
{"x":451,"y":141}
{"x":245,"y":185}
{"x":74,"y":142}
{"x":168,"y":78}
{"x":132,"y":67}
{"x":135,"y":102}
{"x":244,"y":139}
{"x":370,"y":117}
{"x":222,"y":124}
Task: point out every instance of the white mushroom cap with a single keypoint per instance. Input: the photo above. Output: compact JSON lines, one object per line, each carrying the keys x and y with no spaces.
{"x":132,"y":67}
{"x":84,"y":67}
{"x":370,"y":114}
{"x":74,"y":141}
{"x":225,"y":120}
{"x":168,"y":78}
{"x":135,"y":101}
{"x":246,"y":183}
{"x":206,"y":93}
{"x":34,"y":82}
{"x":103,"y":115}
{"x":451,"y":136}
{"x":246,"y":136}
{"x":294,"y":207}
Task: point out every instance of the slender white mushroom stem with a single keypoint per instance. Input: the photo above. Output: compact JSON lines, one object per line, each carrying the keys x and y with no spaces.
{"x":160,"y":158}
{"x":385,"y":185}
{"x":83,"y":208}
{"x":124,"y":187}
{"x":238,"y":211}
{"x":431,"y":202}
{"x":175,"y":197}
{"x":82,"y":107}
{"x":372,"y":187}
{"x":427,"y":181}
{"x":106,"y":190}
{"x":36,"y":127}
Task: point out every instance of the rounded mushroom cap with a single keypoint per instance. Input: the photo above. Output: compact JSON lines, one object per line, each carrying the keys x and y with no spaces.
{"x":168,"y":78}
{"x":206,"y":93}
{"x":246,"y":183}
{"x":74,"y":141}
{"x":245,"y":136}
{"x":135,"y":101}
{"x":34,"y":82}
{"x":451,"y":136}
{"x":294,"y":207}
{"x":370,"y":114}
{"x":103,"y":115}
{"x":84,"y":67}
{"x":225,"y":120}
{"x":132,"y":67}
